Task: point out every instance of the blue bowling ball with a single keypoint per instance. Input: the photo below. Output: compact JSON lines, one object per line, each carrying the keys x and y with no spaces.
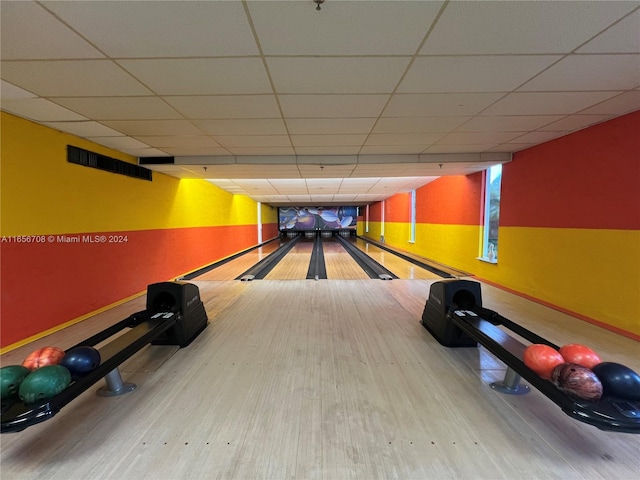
{"x":618,"y":380}
{"x":81,"y":360}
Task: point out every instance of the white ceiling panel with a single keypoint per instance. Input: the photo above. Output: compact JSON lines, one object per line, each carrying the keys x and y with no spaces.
{"x":358,"y":90}
{"x":574,"y":122}
{"x":72,"y":78}
{"x":226,"y":106}
{"x":450,"y":74}
{"x":418,"y":124}
{"x":621,"y":37}
{"x":336,"y":74}
{"x":85,"y":129}
{"x":153,"y":127}
{"x":29,"y":31}
{"x":445,"y":104}
{"x":546,"y":103}
{"x":332,"y":106}
{"x":618,"y":105}
{"x":507,"y":123}
{"x":487,"y":27}
{"x":248,"y":126}
{"x":40,"y":110}
{"x":297,"y":126}
{"x":589,"y":72}
{"x":200,"y":76}
{"x":342,"y":28}
{"x":119,"y":108}
{"x":160,"y":29}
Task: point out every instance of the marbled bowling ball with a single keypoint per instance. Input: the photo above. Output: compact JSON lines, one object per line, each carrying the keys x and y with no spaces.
{"x":577,"y":381}
{"x":43,"y":357}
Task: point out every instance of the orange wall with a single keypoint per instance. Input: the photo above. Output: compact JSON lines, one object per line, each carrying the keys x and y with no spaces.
{"x":165,"y":228}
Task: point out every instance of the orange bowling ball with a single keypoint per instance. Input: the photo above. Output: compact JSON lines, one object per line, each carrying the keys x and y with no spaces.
{"x":43,"y":357}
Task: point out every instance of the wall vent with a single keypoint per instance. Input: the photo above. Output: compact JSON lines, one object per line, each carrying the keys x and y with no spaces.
{"x":80,"y":156}
{"x":155,"y":160}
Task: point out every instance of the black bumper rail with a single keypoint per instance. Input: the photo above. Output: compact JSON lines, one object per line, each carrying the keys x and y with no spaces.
{"x":208,"y":268}
{"x":264,"y":266}
{"x":317,"y":267}
{"x":177,"y":325}
{"x":368,"y":264}
{"x":455,"y":320}
{"x":415,"y":261}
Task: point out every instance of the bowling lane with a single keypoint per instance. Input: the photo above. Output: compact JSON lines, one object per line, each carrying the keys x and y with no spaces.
{"x":295,"y":264}
{"x":339,"y":264}
{"x":402,"y":268}
{"x":237,"y":266}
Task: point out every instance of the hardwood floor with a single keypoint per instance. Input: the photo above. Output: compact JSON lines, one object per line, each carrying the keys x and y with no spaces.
{"x":330,"y":379}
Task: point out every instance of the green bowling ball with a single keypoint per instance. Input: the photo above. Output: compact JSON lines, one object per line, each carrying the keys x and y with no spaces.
{"x":11,"y":377}
{"x":44,"y":383}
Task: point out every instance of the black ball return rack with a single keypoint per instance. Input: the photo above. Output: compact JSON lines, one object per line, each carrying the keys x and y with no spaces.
{"x":455,"y":317}
{"x":175,"y":315}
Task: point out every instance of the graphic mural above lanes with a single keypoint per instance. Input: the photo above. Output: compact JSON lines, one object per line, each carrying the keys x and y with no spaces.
{"x":318,"y":218}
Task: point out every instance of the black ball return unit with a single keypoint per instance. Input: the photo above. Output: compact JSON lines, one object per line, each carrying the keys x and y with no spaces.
{"x":174,"y":315}
{"x":455,"y":317}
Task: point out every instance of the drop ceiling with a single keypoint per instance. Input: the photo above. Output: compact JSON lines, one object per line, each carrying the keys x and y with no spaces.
{"x":347,"y":105}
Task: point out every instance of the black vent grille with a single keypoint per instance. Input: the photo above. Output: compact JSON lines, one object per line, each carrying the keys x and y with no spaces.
{"x":80,"y":156}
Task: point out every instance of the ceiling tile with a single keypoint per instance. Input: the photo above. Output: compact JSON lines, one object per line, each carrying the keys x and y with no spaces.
{"x":119,"y":108}
{"x":345,"y":150}
{"x":327,"y":140}
{"x":342,"y":28}
{"x":589,"y":72}
{"x":161,"y":29}
{"x":188,"y":152}
{"x":546,"y":103}
{"x":253,"y":140}
{"x":9,"y":91}
{"x":85,"y":129}
{"x":477,"y":138}
{"x":336,"y":74}
{"x":507,"y":123}
{"x":471,"y":148}
{"x":299,"y":126}
{"x":454,"y":104}
{"x":270,"y":126}
{"x":473,"y":73}
{"x":423,"y":139}
{"x":520,"y":27}
{"x":40,"y":110}
{"x":418,"y":124}
{"x":226,"y":106}
{"x":175,"y":141}
{"x":72,"y":78}
{"x":391,"y":149}
{"x":153,"y":127}
{"x":30,"y":32}
{"x":621,"y":37}
{"x":200,"y":76}
{"x":536,"y":137}
{"x":118,"y":142}
{"x":618,"y":105}
{"x":332,"y":106}
{"x":574,"y":122}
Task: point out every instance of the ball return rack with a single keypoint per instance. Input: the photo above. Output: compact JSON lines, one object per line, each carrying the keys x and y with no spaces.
{"x":455,"y":317}
{"x":175,"y":315}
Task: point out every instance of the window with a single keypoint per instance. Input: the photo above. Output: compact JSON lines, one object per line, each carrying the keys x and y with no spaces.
{"x":412,"y":233}
{"x":491,"y":214}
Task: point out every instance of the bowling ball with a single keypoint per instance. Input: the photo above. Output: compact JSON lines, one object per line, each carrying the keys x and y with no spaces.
{"x":11,"y":377}
{"x":81,"y":360}
{"x":578,"y":381}
{"x":44,"y":383}
{"x":43,"y":357}
{"x":542,"y":359}
{"x":618,"y":380}
{"x":576,"y":353}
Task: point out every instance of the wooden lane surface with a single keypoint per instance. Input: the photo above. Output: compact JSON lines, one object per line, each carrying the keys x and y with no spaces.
{"x":338,"y":262}
{"x":324,"y":380}
{"x":238,"y":266}
{"x":295,"y":264}
{"x":402,"y":268}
